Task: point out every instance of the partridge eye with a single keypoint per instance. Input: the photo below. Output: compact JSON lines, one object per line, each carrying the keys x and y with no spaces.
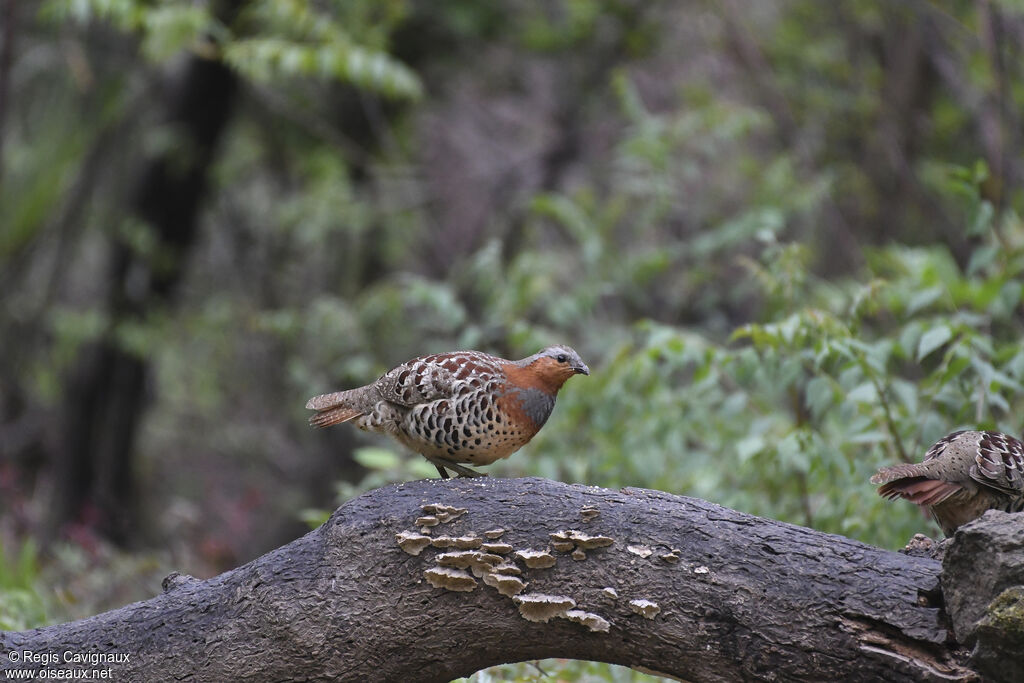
{"x":561,"y":358}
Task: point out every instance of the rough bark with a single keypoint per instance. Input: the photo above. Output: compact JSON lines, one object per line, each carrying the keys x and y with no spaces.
{"x":983,"y":581}
{"x":738,"y":597}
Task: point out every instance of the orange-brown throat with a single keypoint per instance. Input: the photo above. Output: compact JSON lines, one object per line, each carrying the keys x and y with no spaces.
{"x":546,"y":374}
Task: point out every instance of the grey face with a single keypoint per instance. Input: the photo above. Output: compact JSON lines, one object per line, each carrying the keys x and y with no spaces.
{"x":564,"y":354}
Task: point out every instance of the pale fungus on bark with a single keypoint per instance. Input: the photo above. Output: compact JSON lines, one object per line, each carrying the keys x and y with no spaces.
{"x":480,"y":563}
{"x":493,"y":534}
{"x":610,"y":593}
{"x":641,"y":550}
{"x":536,"y":559}
{"x":500,"y":548}
{"x":412,"y":542}
{"x":589,"y":513}
{"x":506,"y":585}
{"x":594,"y":622}
{"x":540,"y":607}
{"x":460,"y":542}
{"x":645,"y":608}
{"x":577,"y":542}
{"x":444,"y":513}
{"x":427,"y":520}
{"x":581,"y":540}
{"x":450,"y":578}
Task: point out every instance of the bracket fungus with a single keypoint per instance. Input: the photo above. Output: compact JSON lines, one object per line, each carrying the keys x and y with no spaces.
{"x":505,"y":584}
{"x":508,"y":568}
{"x":459,"y":542}
{"x":536,"y":559}
{"x":500,"y":548}
{"x":539,"y":607}
{"x":450,"y":579}
{"x":578,"y":542}
{"x":443,"y":513}
{"x":645,"y":608}
{"x":670,"y":557}
{"x":412,"y":542}
{"x":479,"y":563}
{"x":594,"y":622}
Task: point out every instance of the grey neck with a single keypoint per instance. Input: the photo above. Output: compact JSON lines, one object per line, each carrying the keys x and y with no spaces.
{"x":536,"y":404}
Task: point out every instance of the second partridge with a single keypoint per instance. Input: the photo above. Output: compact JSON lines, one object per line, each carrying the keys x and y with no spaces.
{"x":963,"y":475}
{"x":458,"y":407}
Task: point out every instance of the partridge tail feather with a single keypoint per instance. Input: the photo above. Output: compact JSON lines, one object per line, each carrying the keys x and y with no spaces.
{"x":912,"y":486}
{"x":332,"y":409}
{"x":888,"y":474}
{"x":333,"y":416}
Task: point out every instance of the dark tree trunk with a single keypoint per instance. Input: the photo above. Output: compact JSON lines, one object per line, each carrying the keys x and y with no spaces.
{"x":105,"y":392}
{"x":659,"y":582}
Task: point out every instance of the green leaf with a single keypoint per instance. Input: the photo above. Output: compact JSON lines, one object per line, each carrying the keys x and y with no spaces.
{"x":864,"y":393}
{"x":819,"y":395}
{"x":932,"y":340}
{"x":171,"y":28}
{"x":749,"y":447}
{"x":376,"y":458}
{"x":314,"y":517}
{"x":924,"y":298}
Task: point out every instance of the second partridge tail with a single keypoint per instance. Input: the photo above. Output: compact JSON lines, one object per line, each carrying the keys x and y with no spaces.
{"x":335,"y":408}
{"x":910,"y":482}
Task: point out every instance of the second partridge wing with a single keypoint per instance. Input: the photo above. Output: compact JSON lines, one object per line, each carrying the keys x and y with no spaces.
{"x":1000,"y":463}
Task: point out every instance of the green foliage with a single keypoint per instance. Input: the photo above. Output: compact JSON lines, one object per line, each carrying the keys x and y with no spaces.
{"x":272,"y":39}
{"x":22,"y":606}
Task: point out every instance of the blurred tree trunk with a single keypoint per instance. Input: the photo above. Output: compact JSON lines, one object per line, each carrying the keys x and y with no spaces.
{"x":104,"y":396}
{"x":9,"y":23}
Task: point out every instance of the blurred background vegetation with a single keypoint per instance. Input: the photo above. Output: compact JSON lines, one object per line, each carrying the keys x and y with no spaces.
{"x":786,"y":236}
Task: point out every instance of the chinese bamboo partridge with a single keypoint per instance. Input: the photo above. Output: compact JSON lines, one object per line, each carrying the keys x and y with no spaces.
{"x":458,"y":407}
{"x":963,"y":475}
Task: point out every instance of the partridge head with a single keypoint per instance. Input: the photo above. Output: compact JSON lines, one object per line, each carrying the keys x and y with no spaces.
{"x":962,"y":475}
{"x":457,"y":407}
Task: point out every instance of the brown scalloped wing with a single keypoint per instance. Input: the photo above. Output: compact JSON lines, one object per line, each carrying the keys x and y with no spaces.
{"x":1000,"y":463}
{"x":430,"y":378}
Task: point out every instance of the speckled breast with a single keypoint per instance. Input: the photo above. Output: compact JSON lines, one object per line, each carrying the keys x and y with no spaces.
{"x":481,"y":423}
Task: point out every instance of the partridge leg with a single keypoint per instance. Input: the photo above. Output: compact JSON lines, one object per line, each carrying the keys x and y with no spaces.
{"x":443,"y":465}
{"x":465,"y":471}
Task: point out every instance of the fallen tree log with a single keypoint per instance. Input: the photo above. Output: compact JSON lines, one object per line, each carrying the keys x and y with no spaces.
{"x":432,"y":580}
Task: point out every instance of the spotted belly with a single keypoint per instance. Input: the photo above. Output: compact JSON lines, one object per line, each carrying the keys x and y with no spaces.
{"x":471,"y":428}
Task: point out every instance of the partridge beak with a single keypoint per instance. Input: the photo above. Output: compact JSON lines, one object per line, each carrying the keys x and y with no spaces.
{"x":581,"y":369}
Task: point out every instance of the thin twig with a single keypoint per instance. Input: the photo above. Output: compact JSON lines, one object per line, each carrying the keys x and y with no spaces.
{"x":890,"y":421}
